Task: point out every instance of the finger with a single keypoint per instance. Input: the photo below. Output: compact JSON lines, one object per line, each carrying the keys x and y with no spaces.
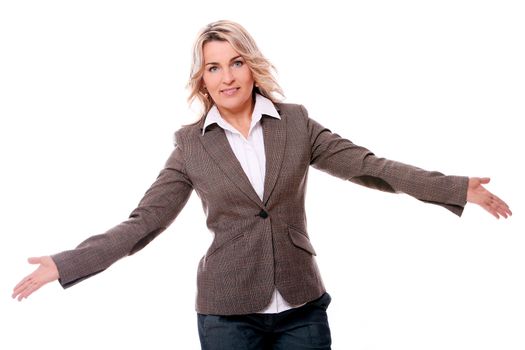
{"x":496,"y":198}
{"x":34,"y":260}
{"x":489,"y":208}
{"x":22,"y":292}
{"x":501,"y":206}
{"x":495,"y":207}
{"x":484,"y":180}
{"x":36,"y":287}
{"x":24,"y":280}
{"x":502,"y":202}
{"x":21,"y":287}
{"x":30,"y":289}
{"x":504,"y":211}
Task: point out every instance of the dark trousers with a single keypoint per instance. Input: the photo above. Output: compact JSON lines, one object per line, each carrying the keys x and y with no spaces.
{"x":305,"y":327}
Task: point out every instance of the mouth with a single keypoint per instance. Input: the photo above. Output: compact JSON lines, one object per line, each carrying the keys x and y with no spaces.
{"x":230,"y":91}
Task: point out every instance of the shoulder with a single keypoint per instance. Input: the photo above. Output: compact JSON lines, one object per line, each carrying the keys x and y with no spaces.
{"x":295,"y":114}
{"x":187,"y":133}
{"x":291,"y":108}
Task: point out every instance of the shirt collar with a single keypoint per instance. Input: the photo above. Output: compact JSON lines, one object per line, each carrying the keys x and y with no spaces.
{"x":263,"y":106}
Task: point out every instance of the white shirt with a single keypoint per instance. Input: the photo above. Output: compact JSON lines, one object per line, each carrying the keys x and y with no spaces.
{"x":250,"y":153}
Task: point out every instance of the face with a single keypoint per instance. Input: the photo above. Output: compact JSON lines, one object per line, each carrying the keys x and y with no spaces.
{"x":227,"y":78}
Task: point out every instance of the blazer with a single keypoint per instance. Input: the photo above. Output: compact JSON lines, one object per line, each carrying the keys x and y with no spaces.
{"x":258,"y":245}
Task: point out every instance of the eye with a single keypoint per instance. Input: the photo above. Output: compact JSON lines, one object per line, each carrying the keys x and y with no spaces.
{"x":238,"y":63}
{"x":212,"y":69}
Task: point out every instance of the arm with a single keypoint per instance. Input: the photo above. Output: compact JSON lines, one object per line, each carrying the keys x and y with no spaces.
{"x":342,"y":158}
{"x":160,"y":205}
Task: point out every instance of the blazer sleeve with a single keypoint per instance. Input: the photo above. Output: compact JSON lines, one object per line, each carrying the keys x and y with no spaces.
{"x":159,"y":206}
{"x":342,"y":158}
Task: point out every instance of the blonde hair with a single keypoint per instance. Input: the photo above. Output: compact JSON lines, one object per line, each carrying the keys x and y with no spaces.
{"x":243,"y":43}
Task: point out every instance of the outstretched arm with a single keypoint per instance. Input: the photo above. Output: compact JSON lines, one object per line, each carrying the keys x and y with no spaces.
{"x":160,"y":205}
{"x":342,"y":158}
{"x":479,"y":195}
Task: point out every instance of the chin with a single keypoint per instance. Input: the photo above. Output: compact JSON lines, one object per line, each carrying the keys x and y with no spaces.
{"x":233,"y":103}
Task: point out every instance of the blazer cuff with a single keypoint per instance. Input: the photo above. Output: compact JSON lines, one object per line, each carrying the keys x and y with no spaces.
{"x":68,"y":274}
{"x":457,"y":198}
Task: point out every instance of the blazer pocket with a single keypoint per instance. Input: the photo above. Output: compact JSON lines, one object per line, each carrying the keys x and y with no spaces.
{"x":212,"y":250}
{"x":300,"y":240}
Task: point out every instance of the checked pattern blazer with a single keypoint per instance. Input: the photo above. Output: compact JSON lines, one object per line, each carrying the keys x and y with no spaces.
{"x":258,"y":245}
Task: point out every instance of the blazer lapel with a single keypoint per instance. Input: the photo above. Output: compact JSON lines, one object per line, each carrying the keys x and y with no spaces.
{"x":274,"y":132}
{"x":218,"y":147}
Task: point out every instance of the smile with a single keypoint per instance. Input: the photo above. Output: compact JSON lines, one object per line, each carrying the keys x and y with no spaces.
{"x":230,"y":92}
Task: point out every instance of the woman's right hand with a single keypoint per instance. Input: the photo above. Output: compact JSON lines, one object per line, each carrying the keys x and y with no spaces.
{"x":45,"y":273}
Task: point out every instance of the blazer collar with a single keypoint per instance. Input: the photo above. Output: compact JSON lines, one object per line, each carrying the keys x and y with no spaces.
{"x":263,"y":106}
{"x":274,"y":132}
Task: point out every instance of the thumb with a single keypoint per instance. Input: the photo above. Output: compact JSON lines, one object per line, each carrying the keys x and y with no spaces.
{"x":484,"y":180}
{"x":34,"y":260}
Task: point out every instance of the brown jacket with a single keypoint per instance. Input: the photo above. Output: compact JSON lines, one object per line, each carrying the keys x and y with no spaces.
{"x":258,"y":245}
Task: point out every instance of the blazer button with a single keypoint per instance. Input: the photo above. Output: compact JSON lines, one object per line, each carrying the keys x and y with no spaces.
{"x":263,"y":214}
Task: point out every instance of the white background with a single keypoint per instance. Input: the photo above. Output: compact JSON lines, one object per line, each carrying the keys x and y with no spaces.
{"x":91,"y":93}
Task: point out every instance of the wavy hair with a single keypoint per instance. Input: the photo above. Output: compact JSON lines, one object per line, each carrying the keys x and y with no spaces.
{"x":242,"y":42}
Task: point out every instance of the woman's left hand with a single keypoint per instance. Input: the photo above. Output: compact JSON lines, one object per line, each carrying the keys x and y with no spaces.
{"x":479,"y":195}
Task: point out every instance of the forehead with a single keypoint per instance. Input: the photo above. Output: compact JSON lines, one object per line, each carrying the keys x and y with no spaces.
{"x":218,"y":51}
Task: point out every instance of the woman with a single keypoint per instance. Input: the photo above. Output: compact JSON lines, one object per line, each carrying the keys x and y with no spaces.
{"x":248,"y":158}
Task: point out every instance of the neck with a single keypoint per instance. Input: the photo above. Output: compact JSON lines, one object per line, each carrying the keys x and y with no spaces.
{"x":240,"y":115}
{"x":240,"y":118}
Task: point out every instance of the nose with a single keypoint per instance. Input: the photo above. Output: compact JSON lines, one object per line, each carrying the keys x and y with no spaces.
{"x":228,"y":77}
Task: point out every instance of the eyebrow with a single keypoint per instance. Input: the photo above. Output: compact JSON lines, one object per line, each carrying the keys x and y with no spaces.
{"x":232,"y":59}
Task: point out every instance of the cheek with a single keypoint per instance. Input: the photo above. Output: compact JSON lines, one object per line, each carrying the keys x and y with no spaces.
{"x":209,"y":80}
{"x":247,"y":77}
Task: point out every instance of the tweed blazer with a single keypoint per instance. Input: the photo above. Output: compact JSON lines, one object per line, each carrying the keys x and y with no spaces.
{"x":258,"y":245}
